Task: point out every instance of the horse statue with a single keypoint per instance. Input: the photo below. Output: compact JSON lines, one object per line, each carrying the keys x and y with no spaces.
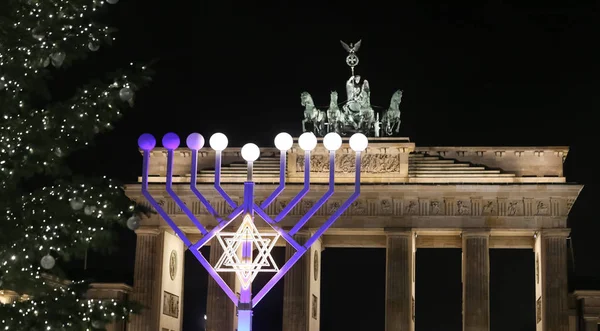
{"x":391,"y":117}
{"x":335,"y":116}
{"x":312,"y":114}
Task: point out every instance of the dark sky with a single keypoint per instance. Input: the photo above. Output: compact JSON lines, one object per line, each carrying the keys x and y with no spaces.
{"x":483,"y":73}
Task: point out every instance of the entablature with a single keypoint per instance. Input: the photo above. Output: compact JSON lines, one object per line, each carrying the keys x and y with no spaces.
{"x":395,"y":206}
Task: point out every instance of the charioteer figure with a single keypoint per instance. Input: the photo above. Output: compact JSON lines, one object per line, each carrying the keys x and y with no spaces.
{"x":356,"y":113}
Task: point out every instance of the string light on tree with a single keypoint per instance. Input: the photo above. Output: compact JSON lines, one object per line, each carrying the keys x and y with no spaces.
{"x":45,"y":225}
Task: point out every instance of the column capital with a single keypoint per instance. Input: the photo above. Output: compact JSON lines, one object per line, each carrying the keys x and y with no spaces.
{"x":398,"y":232}
{"x":553,"y":233}
{"x":148,"y":230}
{"x":475,"y":233}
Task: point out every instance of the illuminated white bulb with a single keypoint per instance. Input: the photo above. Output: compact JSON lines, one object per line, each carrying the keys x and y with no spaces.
{"x":218,"y":141}
{"x":250,"y":152}
{"x":359,"y":142}
{"x":332,"y":141}
{"x":307,"y":141}
{"x":284,"y":141}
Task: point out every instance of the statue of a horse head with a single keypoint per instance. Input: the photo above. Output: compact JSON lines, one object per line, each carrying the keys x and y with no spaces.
{"x":396,"y":100}
{"x":333,"y":98}
{"x":306,"y":100}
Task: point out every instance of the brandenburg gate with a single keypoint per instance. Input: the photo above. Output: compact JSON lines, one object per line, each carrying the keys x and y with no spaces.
{"x":474,"y":198}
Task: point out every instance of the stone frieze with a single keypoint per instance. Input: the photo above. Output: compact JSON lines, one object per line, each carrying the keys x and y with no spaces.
{"x":407,"y":207}
{"x":344,"y":163}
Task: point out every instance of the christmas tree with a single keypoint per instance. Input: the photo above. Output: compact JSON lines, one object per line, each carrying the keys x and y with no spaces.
{"x":47,"y":214}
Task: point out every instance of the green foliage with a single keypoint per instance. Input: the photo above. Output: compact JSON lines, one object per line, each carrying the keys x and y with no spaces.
{"x":44,"y":210}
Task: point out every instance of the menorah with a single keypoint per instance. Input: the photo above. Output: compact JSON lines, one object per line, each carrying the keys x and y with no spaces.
{"x":239,"y":246}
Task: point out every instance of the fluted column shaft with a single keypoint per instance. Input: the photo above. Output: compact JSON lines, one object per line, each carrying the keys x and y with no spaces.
{"x":399,"y":281}
{"x":220,"y":310}
{"x":301,"y":312}
{"x":476,"y":281}
{"x":552,"y":297}
{"x":146,"y":282}
{"x":591,"y":323}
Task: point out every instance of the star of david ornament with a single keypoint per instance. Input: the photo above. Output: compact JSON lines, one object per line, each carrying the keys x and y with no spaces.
{"x":247,"y":267}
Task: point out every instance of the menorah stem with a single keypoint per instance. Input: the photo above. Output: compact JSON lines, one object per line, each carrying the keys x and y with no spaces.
{"x":218,"y":187}
{"x":301,"y":194}
{"x":250,"y":170}
{"x":194,"y":186}
{"x":342,"y":208}
{"x":245,"y":301}
{"x":154,"y":203}
{"x":321,"y":201}
{"x":173,"y":195}
{"x":281,"y":187}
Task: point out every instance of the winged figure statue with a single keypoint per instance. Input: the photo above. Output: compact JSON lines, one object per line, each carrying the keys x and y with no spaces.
{"x":353,"y":48}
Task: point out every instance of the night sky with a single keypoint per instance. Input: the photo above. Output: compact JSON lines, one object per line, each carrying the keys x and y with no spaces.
{"x":487,"y":73}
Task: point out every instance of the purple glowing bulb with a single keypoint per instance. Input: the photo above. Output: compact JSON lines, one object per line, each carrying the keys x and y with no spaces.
{"x":170,"y":141}
{"x":195,"y":141}
{"x":146,"y":142}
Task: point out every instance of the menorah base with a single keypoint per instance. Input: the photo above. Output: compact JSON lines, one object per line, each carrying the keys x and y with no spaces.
{"x":244,"y":320}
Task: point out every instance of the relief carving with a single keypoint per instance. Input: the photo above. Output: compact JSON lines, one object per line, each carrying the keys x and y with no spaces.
{"x":170,"y":304}
{"x":280,"y":205}
{"x":334,"y":206}
{"x":371,"y":163}
{"x":307,"y":205}
{"x":489,"y":208}
{"x":412,"y":208}
{"x":538,"y":310}
{"x":514,"y":208}
{"x":542,"y":208}
{"x":179,"y":210}
{"x":386,"y":206}
{"x":435,"y":208}
{"x":358,"y":208}
{"x":463,"y":208}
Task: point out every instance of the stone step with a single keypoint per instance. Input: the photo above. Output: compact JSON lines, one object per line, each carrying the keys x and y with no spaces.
{"x":225,"y":171}
{"x":440,"y":165}
{"x":256,"y":165}
{"x":431,"y":162}
{"x":211,"y":176}
{"x":459,"y":175}
{"x":446,"y":168}
{"x":423,"y":157}
{"x":464,"y":171}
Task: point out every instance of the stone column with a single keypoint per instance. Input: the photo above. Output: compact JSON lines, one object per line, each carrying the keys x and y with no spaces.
{"x":400,"y":281}
{"x":146,"y":280}
{"x":476,"y":281}
{"x":591,"y":323}
{"x":220,"y":310}
{"x":302,"y":288}
{"x":552,"y":296}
